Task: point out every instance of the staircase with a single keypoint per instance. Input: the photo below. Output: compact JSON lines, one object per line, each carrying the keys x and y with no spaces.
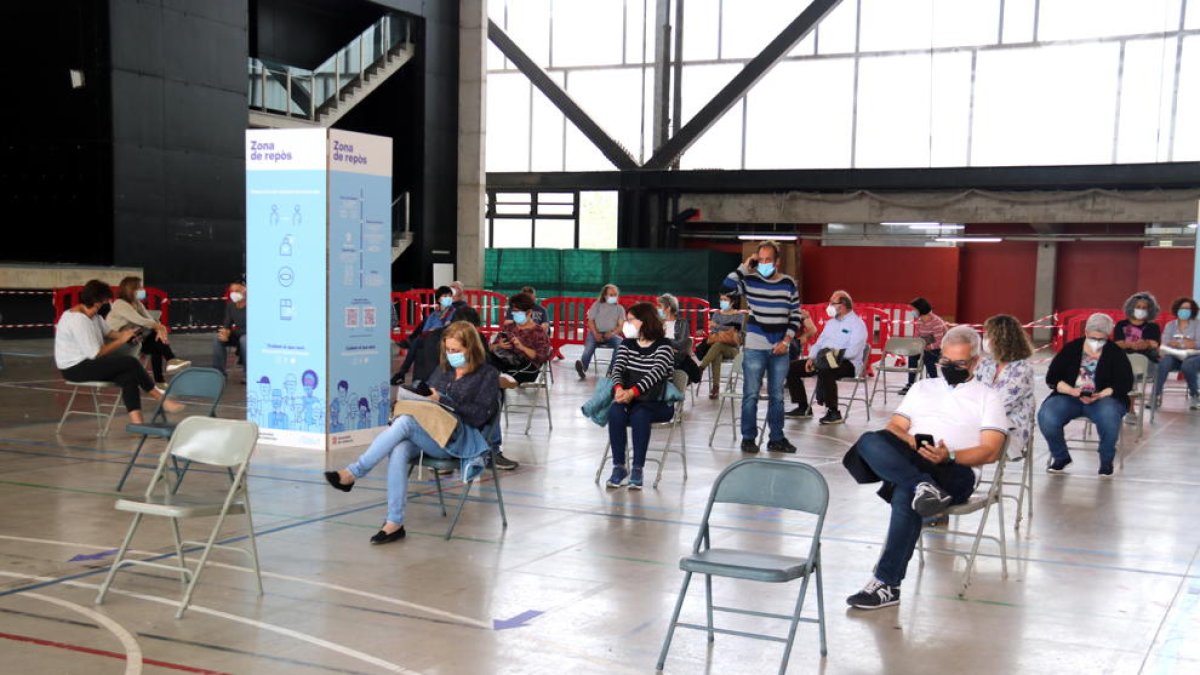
{"x":283,"y":96}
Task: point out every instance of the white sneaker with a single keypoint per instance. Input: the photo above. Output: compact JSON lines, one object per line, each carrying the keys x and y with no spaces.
{"x":177,"y":364}
{"x":507,"y":381}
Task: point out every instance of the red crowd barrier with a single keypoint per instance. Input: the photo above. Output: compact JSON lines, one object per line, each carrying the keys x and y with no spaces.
{"x":156,"y":299}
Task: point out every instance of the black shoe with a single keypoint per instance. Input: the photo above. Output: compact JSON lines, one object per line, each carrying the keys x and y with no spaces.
{"x":875,"y":595}
{"x":1058,"y":465}
{"x":929,"y":500}
{"x":904,"y":389}
{"x":781,"y":445}
{"x":382,"y":537}
{"x":503,"y":463}
{"x":397,"y":379}
{"x":799,"y":412}
{"x":336,"y":481}
{"x":1106,"y":469}
{"x":749,"y":446}
{"x":581,"y":370}
{"x":832,"y":417}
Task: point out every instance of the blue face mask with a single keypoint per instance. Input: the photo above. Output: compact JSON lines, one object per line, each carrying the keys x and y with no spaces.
{"x":725,"y":305}
{"x":612,"y":299}
{"x":446,"y":300}
{"x":140,"y":294}
{"x":661,"y":314}
{"x":766,"y":270}
{"x":456,"y":359}
{"x":1184,"y":314}
{"x":520,"y":317}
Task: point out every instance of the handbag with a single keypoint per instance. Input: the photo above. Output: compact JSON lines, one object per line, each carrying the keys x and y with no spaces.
{"x":828,"y":359}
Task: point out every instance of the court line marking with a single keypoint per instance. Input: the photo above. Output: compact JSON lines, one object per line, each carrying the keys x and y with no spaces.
{"x":133,"y":651}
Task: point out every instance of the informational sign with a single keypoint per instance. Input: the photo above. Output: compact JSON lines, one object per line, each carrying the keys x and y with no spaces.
{"x":318,"y":233}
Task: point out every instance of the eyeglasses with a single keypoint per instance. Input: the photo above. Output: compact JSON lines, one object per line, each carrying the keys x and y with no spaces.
{"x":966,"y":363}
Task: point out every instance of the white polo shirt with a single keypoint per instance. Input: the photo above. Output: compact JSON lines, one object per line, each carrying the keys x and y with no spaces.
{"x":955,"y":415}
{"x":78,"y":338}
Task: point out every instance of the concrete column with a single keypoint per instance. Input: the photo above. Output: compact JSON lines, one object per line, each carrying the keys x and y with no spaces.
{"x":472,"y":86}
{"x":1043,"y":290}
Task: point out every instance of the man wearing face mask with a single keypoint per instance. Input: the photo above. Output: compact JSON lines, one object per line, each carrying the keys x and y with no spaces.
{"x":440,"y":316}
{"x":232,"y":332}
{"x":967,"y":421}
{"x":844,"y":337}
{"x":774,"y":322}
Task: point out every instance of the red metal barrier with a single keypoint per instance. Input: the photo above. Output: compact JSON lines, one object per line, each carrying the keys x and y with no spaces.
{"x":156,"y":299}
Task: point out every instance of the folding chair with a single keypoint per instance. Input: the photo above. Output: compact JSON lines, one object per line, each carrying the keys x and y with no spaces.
{"x":1024,"y":485}
{"x":199,"y":385}
{"x":446,"y":465}
{"x":541,"y":392}
{"x":206,"y":440}
{"x":732,"y":395}
{"x":1141,"y":379}
{"x":993,"y":495}
{"x":901,"y":347}
{"x":103,"y":419}
{"x":675,"y":423}
{"x":860,"y":379}
{"x":1171,"y":385}
{"x":771,"y":484}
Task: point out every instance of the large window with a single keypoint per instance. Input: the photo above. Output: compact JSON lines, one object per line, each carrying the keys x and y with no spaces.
{"x":879,"y":83}
{"x":551,"y":219}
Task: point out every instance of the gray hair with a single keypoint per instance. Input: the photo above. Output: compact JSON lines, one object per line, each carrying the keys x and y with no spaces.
{"x":1099,"y":322}
{"x":962,"y":335}
{"x":670,"y":301}
{"x":1151,"y":314}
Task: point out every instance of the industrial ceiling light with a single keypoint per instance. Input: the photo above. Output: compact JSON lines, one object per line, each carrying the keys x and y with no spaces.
{"x":767,"y":235}
{"x":911,"y":224}
{"x":969,"y":240}
{"x":947,"y":227}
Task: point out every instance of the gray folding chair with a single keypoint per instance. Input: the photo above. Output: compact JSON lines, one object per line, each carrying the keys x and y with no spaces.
{"x":672,"y":425}
{"x":443,"y":465}
{"x":1137,"y":397}
{"x":903,"y":347}
{"x":992,"y":495}
{"x":205,"y":440}
{"x":103,"y":417}
{"x":771,"y":484}
{"x":202,"y":386}
{"x":1024,"y":485}
{"x":541,"y":399}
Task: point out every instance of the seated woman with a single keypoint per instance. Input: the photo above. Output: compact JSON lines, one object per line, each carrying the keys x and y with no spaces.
{"x":522,"y":345}
{"x":679,"y":332}
{"x":641,"y":369}
{"x":930,"y":328}
{"x":82,"y":353}
{"x":722,"y":342}
{"x":1091,"y":377}
{"x":1005,"y":367}
{"x":1137,"y":333}
{"x":466,"y":385}
{"x":128,"y":310}
{"x":438,"y":317}
{"x":1180,"y":340}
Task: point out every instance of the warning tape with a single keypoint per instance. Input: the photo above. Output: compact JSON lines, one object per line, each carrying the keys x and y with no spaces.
{"x":51,"y":293}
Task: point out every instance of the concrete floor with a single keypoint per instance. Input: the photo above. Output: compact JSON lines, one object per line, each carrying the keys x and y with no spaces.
{"x":1104,"y":580}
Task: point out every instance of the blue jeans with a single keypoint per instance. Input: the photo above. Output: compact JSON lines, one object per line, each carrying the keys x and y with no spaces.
{"x":220,"y":347}
{"x":894,"y":462}
{"x":638,"y":416}
{"x":754,"y":362}
{"x":1190,"y":366}
{"x":590,"y":345}
{"x":402,"y":443}
{"x":1059,"y":409}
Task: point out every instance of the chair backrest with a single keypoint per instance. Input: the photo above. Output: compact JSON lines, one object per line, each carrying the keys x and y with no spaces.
{"x":904,"y":346}
{"x":735,"y":371}
{"x":1140,"y":365}
{"x":211,"y":440}
{"x":205,"y":383}
{"x":772,"y":483}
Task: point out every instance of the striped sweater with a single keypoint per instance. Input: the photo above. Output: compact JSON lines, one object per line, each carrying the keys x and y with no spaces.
{"x":646,"y":370}
{"x":774,"y":306}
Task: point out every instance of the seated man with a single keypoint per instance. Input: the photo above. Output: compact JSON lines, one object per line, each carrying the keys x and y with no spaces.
{"x":442,"y":314}
{"x":845,"y":336}
{"x":232,"y":332}
{"x":967,"y":421}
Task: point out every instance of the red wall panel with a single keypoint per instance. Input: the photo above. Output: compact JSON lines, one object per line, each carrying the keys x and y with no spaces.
{"x":881,"y":274}
{"x":1166,"y":272}
{"x":997,"y":279}
{"x":1095,"y":273}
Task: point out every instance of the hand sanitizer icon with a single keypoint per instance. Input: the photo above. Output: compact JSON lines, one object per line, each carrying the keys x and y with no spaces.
{"x":285,"y":247}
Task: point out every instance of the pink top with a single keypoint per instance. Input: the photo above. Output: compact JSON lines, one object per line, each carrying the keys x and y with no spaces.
{"x":930,"y":330}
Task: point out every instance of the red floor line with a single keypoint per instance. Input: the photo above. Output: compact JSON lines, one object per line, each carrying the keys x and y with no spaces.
{"x":111,"y":655}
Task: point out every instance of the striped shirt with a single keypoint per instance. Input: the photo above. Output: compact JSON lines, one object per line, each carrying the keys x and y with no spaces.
{"x":644,"y":369}
{"x":774,"y":306}
{"x":930,"y":330}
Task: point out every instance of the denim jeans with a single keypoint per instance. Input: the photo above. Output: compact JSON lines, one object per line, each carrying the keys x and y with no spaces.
{"x":930,"y":358}
{"x":894,"y":462}
{"x":637,"y":416}
{"x":220,"y":347}
{"x":402,"y":443}
{"x":1190,"y":366}
{"x":589,"y":346}
{"x":754,"y":362}
{"x":1059,"y":409}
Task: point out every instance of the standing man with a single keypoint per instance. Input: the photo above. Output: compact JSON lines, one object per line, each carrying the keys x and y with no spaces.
{"x":774,"y":322}
{"x":843,"y":340}
{"x":232,"y":332}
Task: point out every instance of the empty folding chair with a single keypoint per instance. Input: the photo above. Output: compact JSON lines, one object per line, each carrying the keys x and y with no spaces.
{"x":770,"y":484}
{"x":203,"y":440}
{"x":901,"y":347}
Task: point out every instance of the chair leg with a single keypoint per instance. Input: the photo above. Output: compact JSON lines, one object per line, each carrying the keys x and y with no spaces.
{"x":116,"y":564}
{"x":208,"y":547}
{"x":683,"y":448}
{"x":458,"y":511}
{"x":1003,"y":544}
{"x":974,"y":552}
{"x":665,"y":453}
{"x":499,"y":495}
{"x":437,"y":479}
{"x":71,"y":404}
{"x":112,"y":412}
{"x":791,"y":638}
{"x":603,"y":461}
{"x":708,"y":606}
{"x":662,"y":656}
{"x":820,"y":604}
{"x":183,"y":569}
{"x":253,"y":541}
{"x":132,"y":460}
{"x":549,"y":417}
{"x":716,"y":422}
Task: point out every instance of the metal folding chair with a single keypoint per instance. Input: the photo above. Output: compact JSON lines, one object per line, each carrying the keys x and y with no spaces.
{"x":103,"y":419}
{"x":731,"y":395}
{"x":541,"y":399}
{"x":902,"y":347}
{"x":202,"y":386}
{"x":859,"y":379}
{"x":205,"y":440}
{"x":442,"y":465}
{"x":770,"y":484}
{"x":672,"y":425}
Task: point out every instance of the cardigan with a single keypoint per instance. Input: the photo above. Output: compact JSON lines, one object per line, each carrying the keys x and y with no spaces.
{"x":1112,"y":369}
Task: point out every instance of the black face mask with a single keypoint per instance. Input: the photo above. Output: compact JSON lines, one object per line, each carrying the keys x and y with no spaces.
{"x":104,"y":310}
{"x":954,"y":376}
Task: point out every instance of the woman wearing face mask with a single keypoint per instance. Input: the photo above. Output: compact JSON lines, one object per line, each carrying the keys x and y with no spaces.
{"x":930,"y":328}
{"x":465,"y":384}
{"x":1182,"y":335}
{"x":1137,"y":333}
{"x":440,"y":316}
{"x":519,"y":350}
{"x":723,"y":340}
{"x":1005,"y":367}
{"x":641,"y":369}
{"x":128,"y":310}
{"x":1091,"y":377}
{"x":603,"y":326}
{"x":679,"y":332}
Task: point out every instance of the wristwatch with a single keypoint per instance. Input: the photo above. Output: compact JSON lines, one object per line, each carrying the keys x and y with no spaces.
{"x":950,"y":459}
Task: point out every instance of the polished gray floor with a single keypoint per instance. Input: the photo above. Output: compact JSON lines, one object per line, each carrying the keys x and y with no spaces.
{"x":1105,"y":578}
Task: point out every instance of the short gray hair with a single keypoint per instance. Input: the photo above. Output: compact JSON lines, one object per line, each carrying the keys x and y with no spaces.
{"x":670,"y":301}
{"x":1099,"y":322}
{"x":962,"y":335}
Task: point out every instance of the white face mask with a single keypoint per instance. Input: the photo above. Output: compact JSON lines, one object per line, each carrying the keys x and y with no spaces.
{"x":629,"y":330}
{"x":986,"y":346}
{"x":1140,"y":313}
{"x":1096,"y":345}
{"x":236,"y":297}
{"x":831,"y":311}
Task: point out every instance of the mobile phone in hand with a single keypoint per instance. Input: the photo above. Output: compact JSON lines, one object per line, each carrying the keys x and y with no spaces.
{"x":1086,"y":393}
{"x":925,"y":439}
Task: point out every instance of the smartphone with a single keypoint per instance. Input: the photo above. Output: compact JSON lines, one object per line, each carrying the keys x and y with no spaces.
{"x":925,"y":439}
{"x":754,"y":263}
{"x":1086,"y":393}
{"x":420,"y":388}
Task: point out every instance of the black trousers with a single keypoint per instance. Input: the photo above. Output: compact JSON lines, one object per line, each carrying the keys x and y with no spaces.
{"x":157,"y":350}
{"x":522,"y":373}
{"x":124,"y":371}
{"x":826,"y":382}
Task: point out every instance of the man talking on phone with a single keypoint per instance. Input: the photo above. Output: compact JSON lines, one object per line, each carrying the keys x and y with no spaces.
{"x":943,"y":427}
